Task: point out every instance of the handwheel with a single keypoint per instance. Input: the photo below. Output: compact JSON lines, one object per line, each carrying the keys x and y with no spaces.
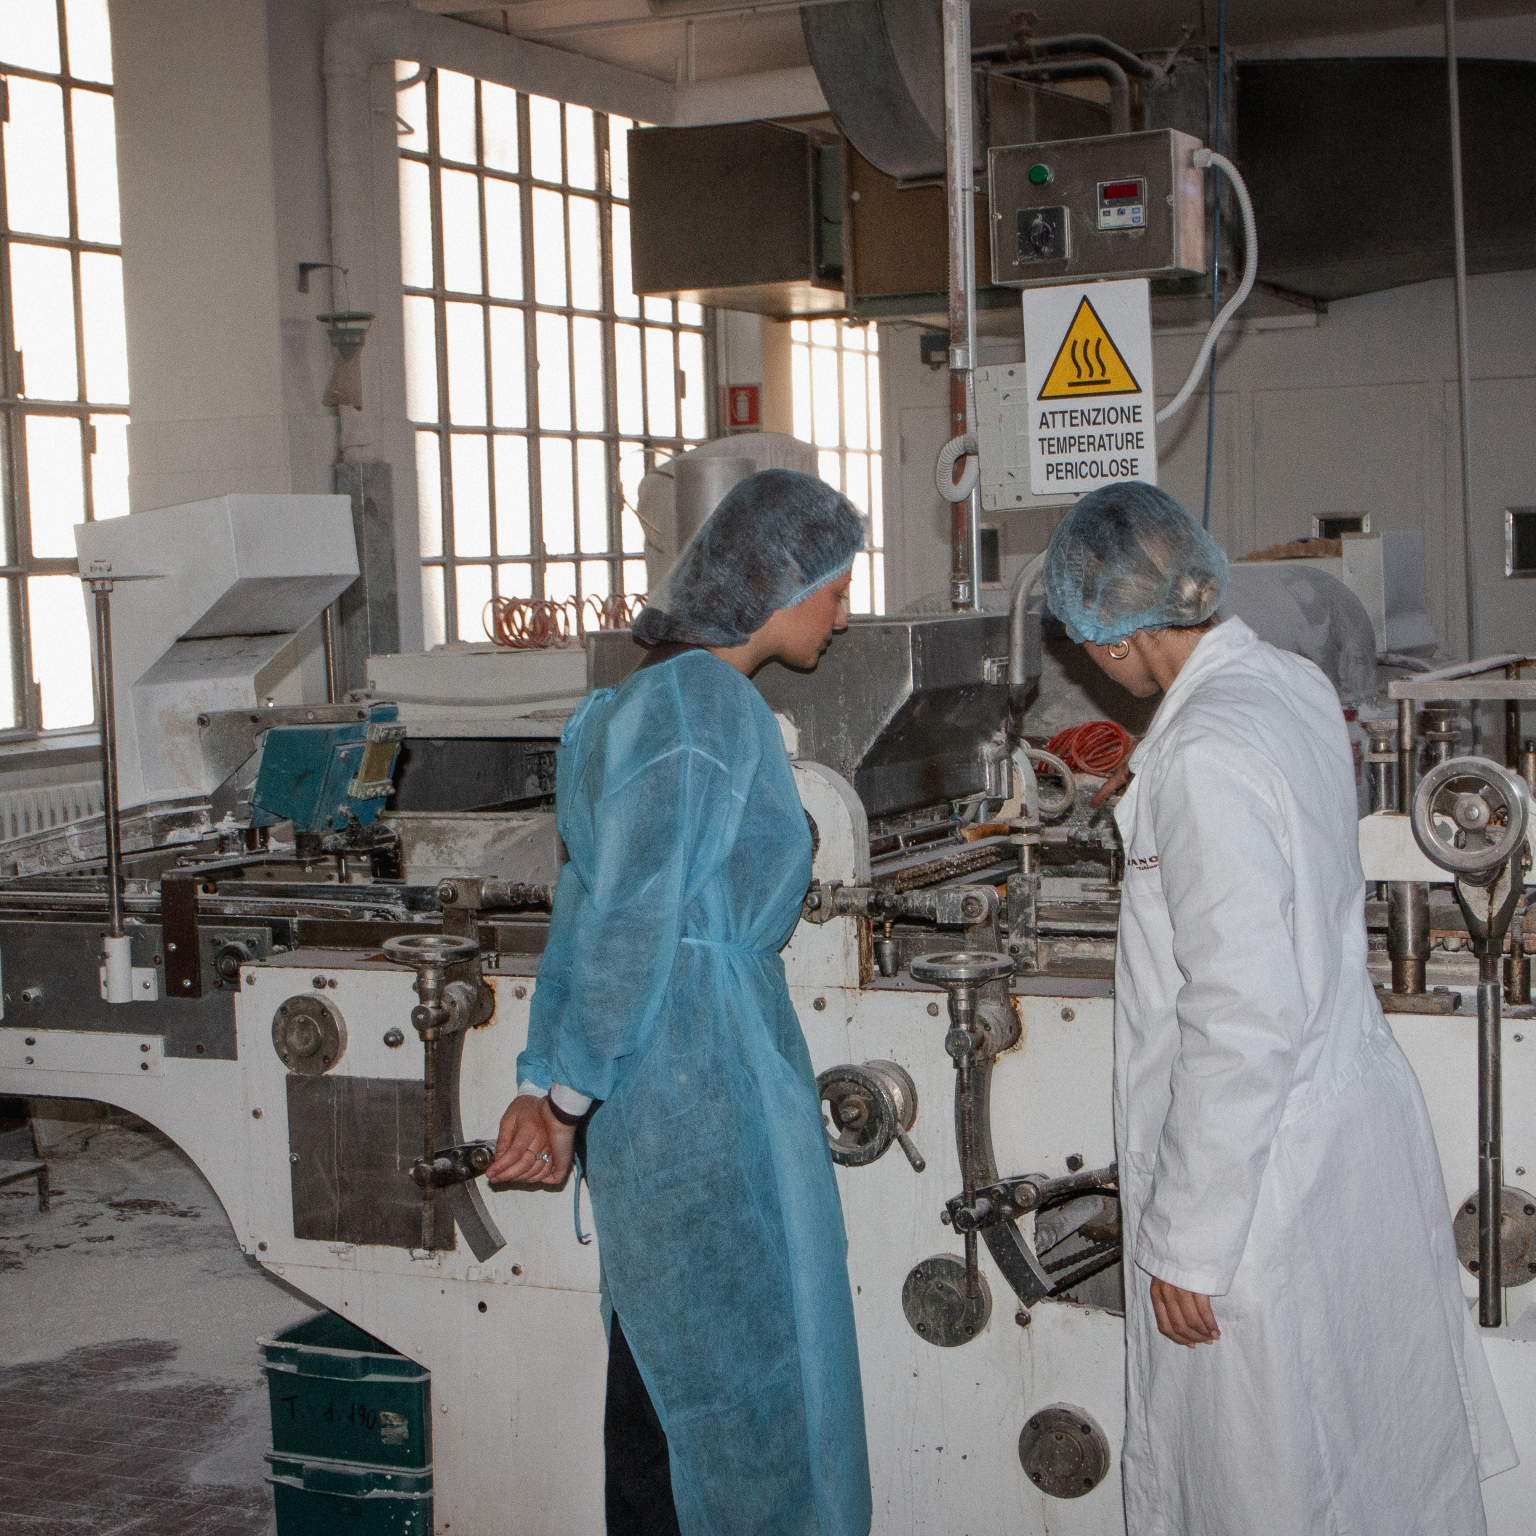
{"x":1470,"y":815}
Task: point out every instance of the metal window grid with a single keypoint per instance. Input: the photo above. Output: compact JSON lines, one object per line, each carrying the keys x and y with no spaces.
{"x":856,"y":372}
{"x":652,"y":318}
{"x":17,"y":562}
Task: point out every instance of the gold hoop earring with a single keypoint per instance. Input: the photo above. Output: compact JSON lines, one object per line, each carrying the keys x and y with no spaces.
{"x":1120,"y":649}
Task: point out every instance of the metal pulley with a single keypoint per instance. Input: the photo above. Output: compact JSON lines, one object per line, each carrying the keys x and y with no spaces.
{"x":867,"y":1108}
{"x":1470,"y":816}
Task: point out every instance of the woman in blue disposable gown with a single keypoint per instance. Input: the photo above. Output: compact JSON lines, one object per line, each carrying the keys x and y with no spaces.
{"x":661,"y":1000}
{"x":1300,"y":1357}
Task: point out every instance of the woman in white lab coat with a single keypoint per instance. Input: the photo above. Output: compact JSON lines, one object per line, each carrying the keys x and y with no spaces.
{"x":1300,"y":1357}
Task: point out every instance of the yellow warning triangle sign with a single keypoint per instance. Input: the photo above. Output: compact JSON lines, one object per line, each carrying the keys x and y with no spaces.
{"x":1088,"y":362}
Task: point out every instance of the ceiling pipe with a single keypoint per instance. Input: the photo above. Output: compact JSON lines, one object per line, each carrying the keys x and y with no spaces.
{"x":1082,"y":69}
{"x":1035,"y":50}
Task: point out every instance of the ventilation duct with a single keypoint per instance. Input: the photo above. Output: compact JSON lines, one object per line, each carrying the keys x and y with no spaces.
{"x":879,"y":63}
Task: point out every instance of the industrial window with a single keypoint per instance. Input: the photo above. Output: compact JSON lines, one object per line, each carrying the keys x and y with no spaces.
{"x":541,"y":388}
{"x":836,"y":374}
{"x":63,"y":353}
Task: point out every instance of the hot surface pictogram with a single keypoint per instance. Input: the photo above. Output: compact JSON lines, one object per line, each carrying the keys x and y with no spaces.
{"x":1088,"y":362}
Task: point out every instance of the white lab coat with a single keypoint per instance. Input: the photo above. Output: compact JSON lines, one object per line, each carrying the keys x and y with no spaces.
{"x":1275,"y":1151}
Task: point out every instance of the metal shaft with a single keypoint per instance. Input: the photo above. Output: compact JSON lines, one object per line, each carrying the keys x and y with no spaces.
{"x":1463,"y":357}
{"x":1512,"y":721}
{"x":102,"y":590}
{"x":1517,"y":968}
{"x":429,"y":1138}
{"x":960,"y":191}
{"x":1408,"y":933}
{"x":1490,"y":1142}
{"x":961,"y":1046}
{"x":328,"y":634}
{"x":1407,"y":756}
{"x":1382,"y":781}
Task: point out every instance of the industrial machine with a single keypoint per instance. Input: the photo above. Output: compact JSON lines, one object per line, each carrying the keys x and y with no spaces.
{"x":303,"y":940}
{"x":324,"y":1008}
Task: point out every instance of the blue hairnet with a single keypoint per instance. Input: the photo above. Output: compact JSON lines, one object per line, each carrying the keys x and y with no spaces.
{"x":774,"y":539}
{"x":1129,"y":557}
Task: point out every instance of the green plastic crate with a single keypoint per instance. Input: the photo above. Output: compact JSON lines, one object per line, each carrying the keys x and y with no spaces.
{"x":323,"y":1498}
{"x":337,"y":1394}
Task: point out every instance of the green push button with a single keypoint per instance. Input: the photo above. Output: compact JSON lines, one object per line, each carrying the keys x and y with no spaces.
{"x":1039,"y":174}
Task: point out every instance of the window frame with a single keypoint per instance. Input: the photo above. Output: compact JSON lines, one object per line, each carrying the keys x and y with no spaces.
{"x":655,"y":447}
{"x":16,"y":407}
{"x":805,"y":339}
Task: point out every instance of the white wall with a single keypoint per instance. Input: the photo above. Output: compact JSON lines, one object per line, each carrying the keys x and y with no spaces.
{"x":220,"y":164}
{"x":1357,"y":414}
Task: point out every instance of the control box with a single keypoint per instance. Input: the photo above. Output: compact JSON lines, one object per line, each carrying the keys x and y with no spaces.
{"x":1119,"y":205}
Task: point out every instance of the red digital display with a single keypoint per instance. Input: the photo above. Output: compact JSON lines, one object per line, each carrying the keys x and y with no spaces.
{"x":1122,"y":192}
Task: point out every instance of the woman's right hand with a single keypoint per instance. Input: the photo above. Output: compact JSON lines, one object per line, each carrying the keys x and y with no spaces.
{"x":532,"y":1146}
{"x":1117,"y":780}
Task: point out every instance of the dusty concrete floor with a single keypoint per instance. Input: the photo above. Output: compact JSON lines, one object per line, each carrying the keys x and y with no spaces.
{"x":131,"y":1397}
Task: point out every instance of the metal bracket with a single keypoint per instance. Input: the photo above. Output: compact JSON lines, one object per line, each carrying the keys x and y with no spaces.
{"x":1009,"y":1199}
{"x":454,"y":1165}
{"x":146,"y":984}
{"x":183,"y":944}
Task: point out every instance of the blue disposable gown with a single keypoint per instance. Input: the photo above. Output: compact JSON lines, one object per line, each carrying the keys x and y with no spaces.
{"x":661,"y":993}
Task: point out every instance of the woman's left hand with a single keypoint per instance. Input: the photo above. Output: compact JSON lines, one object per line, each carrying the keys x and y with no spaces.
{"x":532,"y":1147}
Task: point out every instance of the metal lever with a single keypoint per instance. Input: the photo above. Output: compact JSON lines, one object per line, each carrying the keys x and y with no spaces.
{"x":116,"y":956}
{"x":962,"y":974}
{"x":1008,"y":1199}
{"x":454,"y":1165}
{"x":913,"y":1155}
{"x":448,"y":1007}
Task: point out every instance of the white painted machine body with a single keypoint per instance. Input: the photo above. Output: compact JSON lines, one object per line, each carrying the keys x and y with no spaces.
{"x":516,"y":1346}
{"x":208,"y":602}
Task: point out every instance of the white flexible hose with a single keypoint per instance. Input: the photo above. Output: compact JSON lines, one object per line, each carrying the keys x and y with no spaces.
{"x":1068,"y":797}
{"x":1025,"y":789}
{"x":1203,"y":159}
{"x":943,"y":471}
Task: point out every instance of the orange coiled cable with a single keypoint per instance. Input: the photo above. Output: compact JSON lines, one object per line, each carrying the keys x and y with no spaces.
{"x":1097,"y":747}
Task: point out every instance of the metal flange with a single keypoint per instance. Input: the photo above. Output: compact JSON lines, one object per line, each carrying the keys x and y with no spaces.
{"x":936,"y":1305}
{"x":1517,"y":1245}
{"x":308,"y":1035}
{"x":1064,"y":1451}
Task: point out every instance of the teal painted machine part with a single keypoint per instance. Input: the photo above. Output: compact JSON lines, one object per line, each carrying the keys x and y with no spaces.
{"x":309,"y":773}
